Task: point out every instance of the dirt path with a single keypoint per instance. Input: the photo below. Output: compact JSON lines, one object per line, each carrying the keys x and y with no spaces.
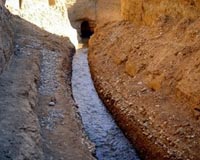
{"x":29,"y":127}
{"x":110,"y":142}
{"x":56,"y":110}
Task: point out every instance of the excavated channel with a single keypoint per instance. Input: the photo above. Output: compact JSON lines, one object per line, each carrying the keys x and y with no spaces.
{"x":101,"y":129}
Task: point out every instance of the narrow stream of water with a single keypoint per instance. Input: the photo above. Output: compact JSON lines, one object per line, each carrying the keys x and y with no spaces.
{"x":102,"y":130}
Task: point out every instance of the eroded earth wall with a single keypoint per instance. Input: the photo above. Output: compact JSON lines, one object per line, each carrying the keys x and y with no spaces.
{"x":6,"y":37}
{"x":108,"y":11}
{"x":146,"y":70}
{"x":148,"y":12}
{"x":38,"y":73}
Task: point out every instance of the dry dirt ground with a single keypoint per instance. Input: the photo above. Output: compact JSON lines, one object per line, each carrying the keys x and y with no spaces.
{"x":30,"y":127}
{"x":149,"y":79}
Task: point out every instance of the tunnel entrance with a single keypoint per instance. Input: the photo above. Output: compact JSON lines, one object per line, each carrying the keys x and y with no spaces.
{"x":86,"y":30}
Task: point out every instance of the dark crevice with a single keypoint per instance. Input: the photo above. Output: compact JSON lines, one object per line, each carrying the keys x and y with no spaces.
{"x":86,"y":30}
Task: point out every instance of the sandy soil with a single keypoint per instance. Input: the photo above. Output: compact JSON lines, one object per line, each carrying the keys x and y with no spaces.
{"x":149,"y":79}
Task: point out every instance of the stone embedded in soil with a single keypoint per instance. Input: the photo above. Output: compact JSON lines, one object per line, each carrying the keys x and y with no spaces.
{"x":52,"y":103}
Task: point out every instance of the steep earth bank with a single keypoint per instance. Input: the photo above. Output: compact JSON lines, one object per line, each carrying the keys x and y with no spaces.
{"x":148,"y":12}
{"x":149,"y":79}
{"x":30,"y":127}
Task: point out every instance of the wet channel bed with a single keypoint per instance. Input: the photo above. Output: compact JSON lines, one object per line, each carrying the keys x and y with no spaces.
{"x":99,"y":125}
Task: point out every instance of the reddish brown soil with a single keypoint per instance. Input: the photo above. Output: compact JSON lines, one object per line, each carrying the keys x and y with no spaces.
{"x":149,"y":79}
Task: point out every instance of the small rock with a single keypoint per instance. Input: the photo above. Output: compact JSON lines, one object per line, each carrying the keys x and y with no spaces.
{"x":143,"y":89}
{"x":130,"y":103}
{"x":52,"y":104}
{"x":149,"y":136}
{"x":139,"y":83}
{"x":137,"y":47}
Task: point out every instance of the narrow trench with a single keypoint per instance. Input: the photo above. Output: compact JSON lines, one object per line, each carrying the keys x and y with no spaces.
{"x":110,"y":142}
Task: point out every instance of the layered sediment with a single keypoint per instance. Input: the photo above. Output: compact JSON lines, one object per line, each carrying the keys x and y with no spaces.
{"x":148,"y":77}
{"x":149,"y":12}
{"x":30,"y":127}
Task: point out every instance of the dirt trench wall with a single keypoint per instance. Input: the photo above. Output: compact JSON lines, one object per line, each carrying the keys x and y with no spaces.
{"x":149,"y":80}
{"x":146,"y":71}
{"x":6,"y":37}
{"x":19,"y":128}
{"x":149,"y":11}
{"x":108,"y":11}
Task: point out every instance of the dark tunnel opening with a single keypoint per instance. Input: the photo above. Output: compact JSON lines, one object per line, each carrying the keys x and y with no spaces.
{"x":86,"y":30}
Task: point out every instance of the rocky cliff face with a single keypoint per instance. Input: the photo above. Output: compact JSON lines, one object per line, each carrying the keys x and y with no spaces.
{"x":148,"y":12}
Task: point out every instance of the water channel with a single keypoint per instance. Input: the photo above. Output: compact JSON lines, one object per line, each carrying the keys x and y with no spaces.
{"x":100,"y":127}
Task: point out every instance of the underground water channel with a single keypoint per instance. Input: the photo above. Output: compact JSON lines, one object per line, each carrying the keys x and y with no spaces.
{"x":99,"y":126}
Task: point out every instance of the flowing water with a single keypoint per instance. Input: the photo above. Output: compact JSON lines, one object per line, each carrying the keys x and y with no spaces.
{"x":100,"y":127}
